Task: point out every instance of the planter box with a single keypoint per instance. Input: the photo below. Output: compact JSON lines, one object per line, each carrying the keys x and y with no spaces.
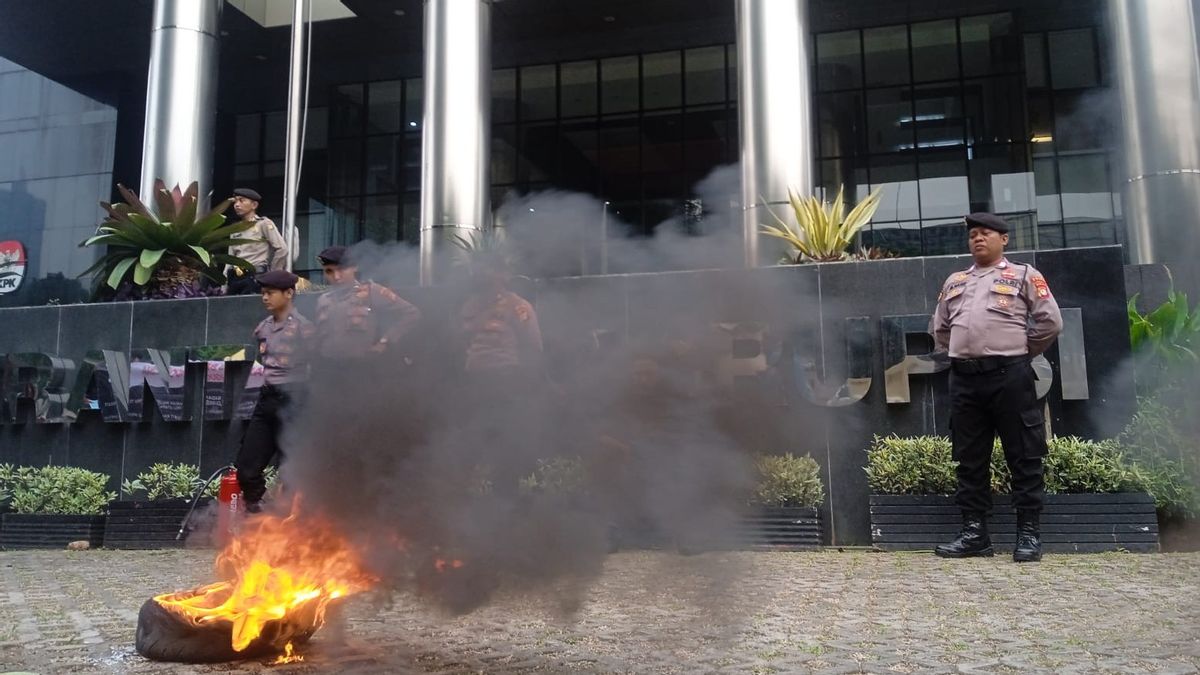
{"x":767,"y":528}
{"x":1071,"y":523}
{"x":146,"y":525}
{"x":36,"y":530}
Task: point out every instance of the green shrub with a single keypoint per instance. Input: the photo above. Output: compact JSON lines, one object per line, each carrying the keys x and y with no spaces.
{"x":1075,"y":465}
{"x":165,"y":481}
{"x":557,"y":476}
{"x":787,"y":480}
{"x":60,"y":490}
{"x":917,"y":465}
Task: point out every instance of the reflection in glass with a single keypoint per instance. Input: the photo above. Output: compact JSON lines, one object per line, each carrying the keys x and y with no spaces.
{"x":345,"y":166}
{"x":1083,"y":120}
{"x":578,"y":88}
{"x":839,"y":60}
{"x":939,"y":116}
{"x":661,"y":80}
{"x":346,"y":110}
{"x":943,"y":184}
{"x":896,"y":176}
{"x":504,"y":96}
{"x":935,"y":50}
{"x":1073,"y":59}
{"x":944,"y":236}
{"x":705,"y":77}
{"x":886,"y":55}
{"x":1001,"y":181}
{"x":414,"y":103}
{"x":619,"y":85}
{"x":989,"y":45}
{"x":1086,"y":191}
{"x":578,"y":156}
{"x":888,"y":110}
{"x":994,"y":112}
{"x":1036,"y":76}
{"x":840,"y":125}
{"x":383,"y":113}
{"x":1045,"y":183}
{"x":381,"y":218}
{"x":383,"y":160}
{"x":538,"y":93}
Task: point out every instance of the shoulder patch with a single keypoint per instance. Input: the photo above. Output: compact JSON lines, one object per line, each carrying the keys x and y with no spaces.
{"x":1039,"y":283}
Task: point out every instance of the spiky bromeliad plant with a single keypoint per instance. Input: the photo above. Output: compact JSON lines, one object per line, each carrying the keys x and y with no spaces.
{"x":823,"y":231}
{"x":164,"y":255}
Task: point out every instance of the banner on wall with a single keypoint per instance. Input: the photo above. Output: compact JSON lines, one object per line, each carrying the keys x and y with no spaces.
{"x":12,"y":265}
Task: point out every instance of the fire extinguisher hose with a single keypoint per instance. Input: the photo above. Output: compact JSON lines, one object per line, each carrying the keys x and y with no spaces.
{"x":196,"y":499}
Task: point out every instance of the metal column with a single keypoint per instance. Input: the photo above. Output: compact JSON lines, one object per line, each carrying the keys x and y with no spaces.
{"x":297,"y":99}
{"x":456,"y":142}
{"x":181,"y":95}
{"x":1157,"y":58}
{"x":775,"y":110}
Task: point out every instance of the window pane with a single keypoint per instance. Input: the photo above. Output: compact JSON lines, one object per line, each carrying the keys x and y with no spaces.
{"x":1073,"y":59}
{"x":886,"y":111}
{"x":994,"y":112}
{"x":943,"y":236}
{"x":705,"y":142}
{"x":504,"y":96}
{"x":381,"y":218}
{"x":538,"y":153}
{"x":939,"y":116}
{"x":347,"y":110}
{"x":935,"y":50}
{"x":661,"y":83}
{"x":345,"y":167}
{"x":274,"y":136}
{"x":886,"y":55}
{"x":619,"y":85}
{"x":839,"y":60}
{"x":1045,"y":183}
{"x":1041,"y":123}
{"x":943,"y":184}
{"x":1001,"y":180}
{"x":620,"y":159}
{"x":342,"y":221}
{"x":578,"y":88}
{"x":1083,"y":120}
{"x":383,"y":164}
{"x":1036,"y":76}
{"x":844,"y":174}
{"x":538,"y":93}
{"x":247,"y":135}
{"x":662,"y":149}
{"x":896,"y":174}
{"x":1086,"y":194}
{"x":840,"y":126}
{"x":1051,"y":236}
{"x":989,"y":45}
{"x":414,"y":104}
{"x":900,"y":238}
{"x":1090,"y":234}
{"x":705,"y":75}
{"x":731,"y":58}
{"x":578,"y":156}
{"x":504,"y":154}
{"x":384,"y":99}
{"x":411,"y":177}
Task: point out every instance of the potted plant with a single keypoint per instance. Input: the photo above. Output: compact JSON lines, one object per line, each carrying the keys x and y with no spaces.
{"x":1097,"y":499}
{"x":784,"y":513}
{"x":822,"y":232}
{"x":155,"y":504}
{"x":163,"y":255}
{"x":53,"y":506}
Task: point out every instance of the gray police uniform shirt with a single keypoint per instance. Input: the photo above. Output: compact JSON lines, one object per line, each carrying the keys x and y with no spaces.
{"x":283,"y":347}
{"x":1003,"y":310}
{"x":261,"y":245}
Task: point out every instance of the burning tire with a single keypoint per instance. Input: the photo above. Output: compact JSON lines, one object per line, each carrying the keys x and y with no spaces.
{"x":163,"y":635}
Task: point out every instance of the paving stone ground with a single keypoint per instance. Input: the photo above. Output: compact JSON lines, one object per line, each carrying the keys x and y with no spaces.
{"x":654,"y":612}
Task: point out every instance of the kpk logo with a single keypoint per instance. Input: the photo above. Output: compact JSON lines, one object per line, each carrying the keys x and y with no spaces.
{"x":12,"y":266}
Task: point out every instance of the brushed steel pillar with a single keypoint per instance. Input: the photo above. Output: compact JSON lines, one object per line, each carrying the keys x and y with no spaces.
{"x":774,"y":111}
{"x":456,"y":141}
{"x":297,"y":100}
{"x":1157,"y":58}
{"x":181,"y":95}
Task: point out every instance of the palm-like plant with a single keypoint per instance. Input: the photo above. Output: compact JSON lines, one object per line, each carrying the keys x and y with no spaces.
{"x":823,"y":231}
{"x":166,"y":251}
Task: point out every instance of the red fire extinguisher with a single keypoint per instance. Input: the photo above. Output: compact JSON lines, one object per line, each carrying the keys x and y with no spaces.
{"x":229,"y":508}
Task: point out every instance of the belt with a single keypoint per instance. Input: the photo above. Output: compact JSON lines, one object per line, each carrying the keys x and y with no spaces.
{"x":985,"y":364}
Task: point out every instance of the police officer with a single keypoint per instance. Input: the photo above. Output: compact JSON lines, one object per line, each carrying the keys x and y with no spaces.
{"x":282,"y":349}
{"x":264,"y":247}
{"x":357,"y":319}
{"x":992,"y":318}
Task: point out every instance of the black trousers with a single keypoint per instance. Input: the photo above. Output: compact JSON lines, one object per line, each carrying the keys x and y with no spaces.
{"x":997,"y":396}
{"x":260,"y":442}
{"x":246,"y":284}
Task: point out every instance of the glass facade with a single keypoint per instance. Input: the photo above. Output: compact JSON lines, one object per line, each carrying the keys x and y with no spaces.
{"x":56,"y":160}
{"x":944,"y":110}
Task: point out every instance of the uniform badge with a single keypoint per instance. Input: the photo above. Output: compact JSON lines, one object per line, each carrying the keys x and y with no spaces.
{"x":954,"y":292}
{"x":1003,"y":302}
{"x":1043,"y":289}
{"x":1009,"y":274}
{"x":522,"y":313}
{"x":961,"y":276}
{"x":1003,"y":289}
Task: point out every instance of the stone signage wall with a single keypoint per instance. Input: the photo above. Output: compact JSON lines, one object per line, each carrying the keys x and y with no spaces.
{"x":811,"y":359}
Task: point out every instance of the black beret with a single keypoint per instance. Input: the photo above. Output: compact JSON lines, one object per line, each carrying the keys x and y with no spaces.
{"x":988,"y":220}
{"x":248,"y":194}
{"x":334,"y":255}
{"x":281,"y":279}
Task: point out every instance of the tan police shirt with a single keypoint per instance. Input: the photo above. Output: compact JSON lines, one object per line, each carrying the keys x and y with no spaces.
{"x":264,"y":247}
{"x":282,"y":347}
{"x":1003,"y":310}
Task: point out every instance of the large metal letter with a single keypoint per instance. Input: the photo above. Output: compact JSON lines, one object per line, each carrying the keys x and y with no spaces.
{"x":858,"y":366}
{"x":42,"y":379}
{"x":165,"y":372}
{"x":898,"y":364}
{"x":1072,"y":359}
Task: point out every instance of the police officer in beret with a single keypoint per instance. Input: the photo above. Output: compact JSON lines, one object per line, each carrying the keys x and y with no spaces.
{"x":263,"y":246}
{"x":993,"y":318}
{"x":282,"y":340}
{"x":357,"y":318}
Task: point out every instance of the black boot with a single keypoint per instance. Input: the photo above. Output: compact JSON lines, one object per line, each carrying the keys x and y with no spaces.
{"x":972,"y":541}
{"x":1029,"y":537}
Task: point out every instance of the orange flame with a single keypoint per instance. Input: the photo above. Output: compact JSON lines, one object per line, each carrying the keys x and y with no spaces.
{"x":275,"y":569}
{"x":288,"y":656}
